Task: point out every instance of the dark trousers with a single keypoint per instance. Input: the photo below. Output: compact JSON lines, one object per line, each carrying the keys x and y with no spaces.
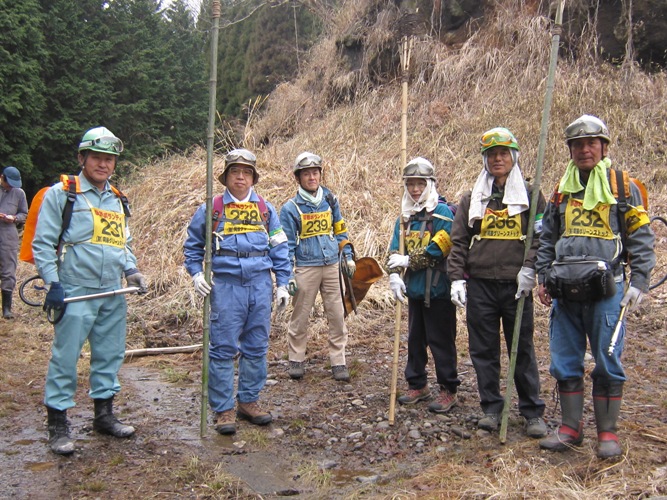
{"x":433,"y":327}
{"x":489,"y":302}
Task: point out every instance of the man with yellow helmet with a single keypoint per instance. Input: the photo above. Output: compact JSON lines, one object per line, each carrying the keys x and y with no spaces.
{"x":489,"y":274}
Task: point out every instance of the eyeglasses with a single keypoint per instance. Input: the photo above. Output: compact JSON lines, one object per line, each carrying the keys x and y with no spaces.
{"x":240,"y":154}
{"x":105,"y":144}
{"x":497,"y":138}
{"x":246,"y":172}
{"x":310,"y":161}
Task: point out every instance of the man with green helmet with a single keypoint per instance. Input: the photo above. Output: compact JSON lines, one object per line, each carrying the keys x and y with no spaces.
{"x":426,"y":221}
{"x":586,"y":219}
{"x":489,"y":274}
{"x":90,"y":256}
{"x":315,"y":227}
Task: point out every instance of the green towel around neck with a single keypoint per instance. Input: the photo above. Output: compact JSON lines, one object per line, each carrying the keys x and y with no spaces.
{"x":598,"y":189}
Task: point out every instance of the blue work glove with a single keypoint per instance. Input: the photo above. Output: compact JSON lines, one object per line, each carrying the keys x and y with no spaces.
{"x":350,"y":267}
{"x":134,"y":278}
{"x":292,"y":287}
{"x":55,"y":297}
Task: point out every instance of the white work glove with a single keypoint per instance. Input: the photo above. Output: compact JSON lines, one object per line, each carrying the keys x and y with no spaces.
{"x":632,"y":298}
{"x":397,"y":287}
{"x":201,"y":286}
{"x":398,"y":260}
{"x":458,"y":293}
{"x":282,"y":297}
{"x":525,"y":281}
{"x":350,"y":267}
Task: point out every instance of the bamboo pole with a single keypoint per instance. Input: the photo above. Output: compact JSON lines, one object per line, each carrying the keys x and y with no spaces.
{"x":406,"y":47}
{"x":153,"y":351}
{"x":555,"y":40}
{"x":210,"y":141}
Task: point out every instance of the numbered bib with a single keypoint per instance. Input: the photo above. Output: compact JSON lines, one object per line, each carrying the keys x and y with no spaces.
{"x":315,"y":224}
{"x":108,"y":228}
{"x":242,"y":218}
{"x":590,"y":223}
{"x":498,"y":225}
{"x":414,"y":242}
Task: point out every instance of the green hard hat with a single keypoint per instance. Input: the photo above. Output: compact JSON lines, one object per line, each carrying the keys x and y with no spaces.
{"x":102,"y":140}
{"x":499,"y":136}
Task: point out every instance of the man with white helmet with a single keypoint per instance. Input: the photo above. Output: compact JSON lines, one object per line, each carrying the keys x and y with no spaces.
{"x":13,"y":211}
{"x":587,"y":220}
{"x":489,"y":274}
{"x":426,"y":221}
{"x":314,"y":227}
{"x":90,"y":256}
{"x":248,"y":244}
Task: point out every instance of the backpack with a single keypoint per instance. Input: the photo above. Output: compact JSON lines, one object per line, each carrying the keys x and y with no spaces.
{"x":72,"y":186}
{"x":219,"y":210}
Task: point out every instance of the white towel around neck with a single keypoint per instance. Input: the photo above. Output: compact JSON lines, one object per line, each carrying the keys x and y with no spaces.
{"x":515,"y":196}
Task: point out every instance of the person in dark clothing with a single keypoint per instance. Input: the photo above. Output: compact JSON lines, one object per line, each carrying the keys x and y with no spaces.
{"x":487,"y":265}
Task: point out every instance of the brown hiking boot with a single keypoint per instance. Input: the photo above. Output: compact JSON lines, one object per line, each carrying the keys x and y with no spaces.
{"x":443,"y":402}
{"x":415,"y":395}
{"x":253,"y":413}
{"x":225,"y":422}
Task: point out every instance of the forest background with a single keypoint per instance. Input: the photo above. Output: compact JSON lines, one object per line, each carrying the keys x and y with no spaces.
{"x":138,"y":67}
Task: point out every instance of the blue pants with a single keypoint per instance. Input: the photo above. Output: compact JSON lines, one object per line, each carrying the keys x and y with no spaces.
{"x":571,"y":323}
{"x":240,"y":322}
{"x":103,"y":323}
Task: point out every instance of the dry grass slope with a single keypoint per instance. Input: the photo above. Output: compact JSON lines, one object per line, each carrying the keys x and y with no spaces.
{"x":497,"y":78}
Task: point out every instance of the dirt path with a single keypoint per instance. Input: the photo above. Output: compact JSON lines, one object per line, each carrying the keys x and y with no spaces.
{"x":328,"y":440}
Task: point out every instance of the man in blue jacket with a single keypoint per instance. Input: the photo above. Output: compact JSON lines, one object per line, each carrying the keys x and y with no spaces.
{"x":90,"y":256}
{"x":314,"y":227}
{"x":248,"y":243}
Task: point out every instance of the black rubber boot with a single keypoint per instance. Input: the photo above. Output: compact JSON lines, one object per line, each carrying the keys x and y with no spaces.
{"x":59,"y":440}
{"x":7,"y":304}
{"x":571,"y":431}
{"x":106,"y":423}
{"x":607,"y":398}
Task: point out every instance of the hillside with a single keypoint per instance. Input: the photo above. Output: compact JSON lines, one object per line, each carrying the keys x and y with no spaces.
{"x":351,"y":117}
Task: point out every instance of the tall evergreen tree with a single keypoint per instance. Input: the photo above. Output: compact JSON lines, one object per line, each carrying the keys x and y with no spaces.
{"x":22,"y":102}
{"x":76,"y":76}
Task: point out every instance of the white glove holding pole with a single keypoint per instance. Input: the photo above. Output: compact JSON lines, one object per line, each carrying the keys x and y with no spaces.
{"x":201,"y":286}
{"x":398,"y":260}
{"x":397,"y":287}
{"x":458,"y":293}
{"x":282,"y":297}
{"x":632,"y":298}
{"x":525,"y":281}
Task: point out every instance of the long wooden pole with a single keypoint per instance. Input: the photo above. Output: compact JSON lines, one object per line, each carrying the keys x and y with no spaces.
{"x":406,"y":46}
{"x":555,"y":40}
{"x":210,"y":141}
